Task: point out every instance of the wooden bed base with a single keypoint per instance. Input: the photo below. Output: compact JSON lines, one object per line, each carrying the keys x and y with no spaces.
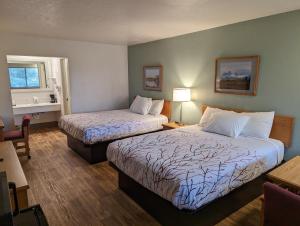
{"x":168,"y":215}
{"x":92,"y":153}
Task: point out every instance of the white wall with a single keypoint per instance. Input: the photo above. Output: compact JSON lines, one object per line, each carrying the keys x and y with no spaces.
{"x":98,"y":72}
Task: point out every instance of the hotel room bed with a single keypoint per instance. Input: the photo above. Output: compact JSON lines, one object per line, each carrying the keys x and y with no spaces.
{"x":94,"y":127}
{"x":191,"y":168}
{"x":190,"y":177}
{"x":89,"y":134}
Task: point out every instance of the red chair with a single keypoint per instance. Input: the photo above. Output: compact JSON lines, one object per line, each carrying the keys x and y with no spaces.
{"x":20,"y":136}
{"x":280,"y":207}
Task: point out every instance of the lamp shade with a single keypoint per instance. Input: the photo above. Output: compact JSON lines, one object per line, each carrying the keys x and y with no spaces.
{"x":181,"y":94}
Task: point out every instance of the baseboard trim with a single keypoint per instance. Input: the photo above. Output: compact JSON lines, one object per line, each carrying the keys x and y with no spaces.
{"x":44,"y":125}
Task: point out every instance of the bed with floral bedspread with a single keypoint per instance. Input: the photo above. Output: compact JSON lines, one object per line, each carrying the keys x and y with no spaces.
{"x":94,"y":127}
{"x":190,"y":167}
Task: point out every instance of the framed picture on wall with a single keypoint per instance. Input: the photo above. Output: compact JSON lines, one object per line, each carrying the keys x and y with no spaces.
{"x":153,"y":77}
{"x":237,"y":75}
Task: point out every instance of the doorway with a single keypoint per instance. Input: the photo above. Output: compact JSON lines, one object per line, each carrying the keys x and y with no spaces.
{"x":40,"y":87}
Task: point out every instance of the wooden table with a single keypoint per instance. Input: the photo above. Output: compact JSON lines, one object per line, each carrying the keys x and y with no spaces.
{"x":11,"y":165}
{"x":287,"y":175}
{"x":1,"y":130}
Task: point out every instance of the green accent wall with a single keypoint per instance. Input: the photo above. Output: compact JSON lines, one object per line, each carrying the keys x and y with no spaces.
{"x":189,"y":61}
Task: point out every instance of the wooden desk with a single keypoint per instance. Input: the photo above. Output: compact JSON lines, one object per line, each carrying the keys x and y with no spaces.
{"x":11,"y":165}
{"x":1,"y":130}
{"x":288,"y":174}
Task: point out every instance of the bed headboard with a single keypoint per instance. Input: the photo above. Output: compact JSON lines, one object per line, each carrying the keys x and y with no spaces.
{"x":282,"y":128}
{"x":167,"y":109}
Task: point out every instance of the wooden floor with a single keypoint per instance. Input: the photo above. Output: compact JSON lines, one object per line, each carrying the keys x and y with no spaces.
{"x":72,"y":192}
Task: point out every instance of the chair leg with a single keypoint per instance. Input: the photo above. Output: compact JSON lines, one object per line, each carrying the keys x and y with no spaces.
{"x":26,"y":146}
{"x":15,"y":144}
{"x":262,"y":211}
{"x":27,"y":149}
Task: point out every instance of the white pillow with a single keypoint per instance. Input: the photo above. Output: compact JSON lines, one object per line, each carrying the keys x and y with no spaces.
{"x":226,"y":123}
{"x":207,"y":114}
{"x":156,"y":107}
{"x":259,"y":124}
{"x":141,"y":105}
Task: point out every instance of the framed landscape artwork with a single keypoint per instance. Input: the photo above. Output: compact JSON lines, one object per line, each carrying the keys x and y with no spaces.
{"x":153,"y":77}
{"x":237,"y":75}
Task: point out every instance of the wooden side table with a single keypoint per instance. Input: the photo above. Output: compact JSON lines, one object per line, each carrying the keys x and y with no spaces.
{"x":171,"y":125}
{"x":1,"y":130}
{"x":287,"y":175}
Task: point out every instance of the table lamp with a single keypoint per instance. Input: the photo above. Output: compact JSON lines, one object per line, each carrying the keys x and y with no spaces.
{"x":181,"y":95}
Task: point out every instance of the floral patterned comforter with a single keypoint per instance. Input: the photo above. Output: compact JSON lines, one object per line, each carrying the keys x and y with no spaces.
{"x":191,"y":168}
{"x":109,"y":125}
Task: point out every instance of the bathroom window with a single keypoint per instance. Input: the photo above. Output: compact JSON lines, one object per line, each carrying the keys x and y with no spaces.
{"x":25,"y":76}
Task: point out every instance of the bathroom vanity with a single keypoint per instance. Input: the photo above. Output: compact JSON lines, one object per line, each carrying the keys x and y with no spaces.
{"x":22,"y":109}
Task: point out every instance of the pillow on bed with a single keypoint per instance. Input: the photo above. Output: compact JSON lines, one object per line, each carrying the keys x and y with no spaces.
{"x":259,"y":124}
{"x":207,"y":114}
{"x":141,"y":105}
{"x":225,"y":123}
{"x":156,"y":107}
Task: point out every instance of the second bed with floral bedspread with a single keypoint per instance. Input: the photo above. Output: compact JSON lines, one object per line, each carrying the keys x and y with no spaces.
{"x":94,"y":127}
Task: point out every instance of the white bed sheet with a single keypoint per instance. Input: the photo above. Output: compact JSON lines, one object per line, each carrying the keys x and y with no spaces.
{"x":190,"y":167}
{"x":101,"y":126}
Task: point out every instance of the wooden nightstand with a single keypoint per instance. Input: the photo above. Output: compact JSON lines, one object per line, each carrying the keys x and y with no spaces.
{"x":171,"y":125}
{"x":287,"y":175}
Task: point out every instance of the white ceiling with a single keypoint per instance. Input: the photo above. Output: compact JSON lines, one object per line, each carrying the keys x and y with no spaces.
{"x":129,"y":21}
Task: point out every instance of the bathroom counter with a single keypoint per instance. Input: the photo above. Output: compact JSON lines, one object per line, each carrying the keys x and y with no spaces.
{"x":35,"y":108}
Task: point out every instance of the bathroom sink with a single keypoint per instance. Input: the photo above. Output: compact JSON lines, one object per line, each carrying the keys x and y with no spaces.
{"x":35,"y":108}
